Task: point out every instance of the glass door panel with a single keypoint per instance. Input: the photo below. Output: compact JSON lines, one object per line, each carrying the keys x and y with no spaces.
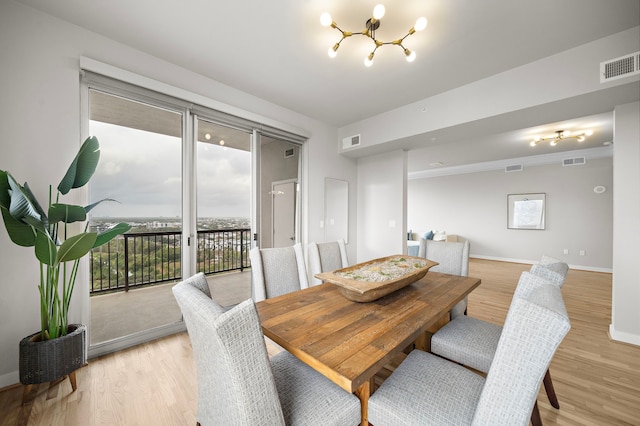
{"x":223,"y":164}
{"x":140,"y":167}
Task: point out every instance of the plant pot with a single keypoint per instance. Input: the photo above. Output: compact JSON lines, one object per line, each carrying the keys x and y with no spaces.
{"x":49,"y":360}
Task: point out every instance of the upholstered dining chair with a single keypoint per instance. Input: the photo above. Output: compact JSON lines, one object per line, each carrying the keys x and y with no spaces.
{"x":426,"y":389}
{"x":324,"y":257}
{"x":237,"y":382}
{"x":277,"y":271}
{"x":472,"y":342}
{"x":453,"y":258}
{"x":551,"y":269}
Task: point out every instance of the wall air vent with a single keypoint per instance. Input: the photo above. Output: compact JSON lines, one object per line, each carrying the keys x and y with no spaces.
{"x":577,"y":161}
{"x":514,"y":168}
{"x":351,"y":141}
{"x":623,"y":66}
{"x":289,"y":152}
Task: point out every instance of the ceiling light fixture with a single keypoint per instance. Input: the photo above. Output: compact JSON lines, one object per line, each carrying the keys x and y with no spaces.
{"x":560,"y":136}
{"x":371,"y":25}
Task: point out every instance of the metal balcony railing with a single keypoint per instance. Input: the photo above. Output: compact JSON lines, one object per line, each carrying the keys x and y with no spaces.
{"x":143,"y":259}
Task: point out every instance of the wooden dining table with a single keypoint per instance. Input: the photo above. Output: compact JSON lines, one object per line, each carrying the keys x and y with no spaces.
{"x":349,"y":342}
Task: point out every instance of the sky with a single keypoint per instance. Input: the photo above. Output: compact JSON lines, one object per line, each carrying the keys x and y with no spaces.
{"x":142,"y":171}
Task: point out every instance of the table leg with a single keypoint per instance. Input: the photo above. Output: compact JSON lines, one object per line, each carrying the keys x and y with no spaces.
{"x":363,"y":392}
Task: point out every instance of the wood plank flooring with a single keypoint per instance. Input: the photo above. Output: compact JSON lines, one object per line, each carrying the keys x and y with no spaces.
{"x":597,"y":380}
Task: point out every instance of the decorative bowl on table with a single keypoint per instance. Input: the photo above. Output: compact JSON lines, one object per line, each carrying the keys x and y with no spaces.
{"x":368,"y":281}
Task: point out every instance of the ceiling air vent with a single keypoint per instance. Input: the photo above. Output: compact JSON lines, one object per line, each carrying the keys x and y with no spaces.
{"x":623,"y":66}
{"x":513,"y":168}
{"x":577,"y":161}
{"x":351,"y":141}
{"x":289,"y":152}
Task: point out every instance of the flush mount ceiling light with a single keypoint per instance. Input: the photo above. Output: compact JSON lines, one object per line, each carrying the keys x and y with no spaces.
{"x":371,"y":25}
{"x":560,"y":136}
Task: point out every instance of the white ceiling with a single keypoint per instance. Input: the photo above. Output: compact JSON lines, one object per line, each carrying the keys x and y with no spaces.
{"x":276,"y":50}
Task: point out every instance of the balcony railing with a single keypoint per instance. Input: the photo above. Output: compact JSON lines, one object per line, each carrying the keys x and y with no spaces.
{"x":142,"y":259}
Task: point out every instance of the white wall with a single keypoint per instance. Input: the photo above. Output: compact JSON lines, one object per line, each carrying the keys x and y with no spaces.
{"x":474,"y":206}
{"x":625,"y":318}
{"x":381,"y":205}
{"x":40,"y":128}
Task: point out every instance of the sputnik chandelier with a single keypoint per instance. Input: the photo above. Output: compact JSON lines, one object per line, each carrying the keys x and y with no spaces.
{"x":371,"y":25}
{"x":560,"y":136}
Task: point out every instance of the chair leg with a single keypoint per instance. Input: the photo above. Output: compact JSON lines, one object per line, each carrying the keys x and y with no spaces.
{"x":535,"y":416}
{"x":551,"y":392}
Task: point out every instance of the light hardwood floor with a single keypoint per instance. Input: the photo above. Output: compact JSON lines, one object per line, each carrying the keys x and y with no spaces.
{"x":597,"y":380}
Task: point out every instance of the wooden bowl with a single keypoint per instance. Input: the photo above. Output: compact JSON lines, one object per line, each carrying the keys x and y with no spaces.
{"x":360,"y":290}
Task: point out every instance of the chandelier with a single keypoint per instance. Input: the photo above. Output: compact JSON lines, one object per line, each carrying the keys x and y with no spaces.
{"x":560,"y":136}
{"x":371,"y":25}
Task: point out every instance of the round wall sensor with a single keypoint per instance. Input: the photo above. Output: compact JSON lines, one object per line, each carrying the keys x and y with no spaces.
{"x":599,"y":189}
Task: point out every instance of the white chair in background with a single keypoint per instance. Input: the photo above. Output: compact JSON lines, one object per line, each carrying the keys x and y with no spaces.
{"x":324,"y":257}
{"x":277,"y":271}
{"x":453,"y":258}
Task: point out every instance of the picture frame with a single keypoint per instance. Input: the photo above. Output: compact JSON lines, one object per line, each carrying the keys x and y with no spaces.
{"x":526,"y":211}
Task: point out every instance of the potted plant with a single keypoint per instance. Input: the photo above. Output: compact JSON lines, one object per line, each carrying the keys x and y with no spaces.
{"x":58,"y":349}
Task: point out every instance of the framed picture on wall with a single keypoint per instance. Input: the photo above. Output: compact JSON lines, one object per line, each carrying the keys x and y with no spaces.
{"x":526,"y":211}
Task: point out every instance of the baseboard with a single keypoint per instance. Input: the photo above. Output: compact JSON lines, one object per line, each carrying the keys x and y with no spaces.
{"x":623,"y":337}
{"x":9,"y":379}
{"x":135,"y":339}
{"x":531,"y":262}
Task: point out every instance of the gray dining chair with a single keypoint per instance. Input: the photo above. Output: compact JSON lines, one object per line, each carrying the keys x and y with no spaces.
{"x":277,"y":271}
{"x":551,"y":269}
{"x":324,"y":257}
{"x":453,"y":258}
{"x":428,"y":390}
{"x":472,"y":342}
{"x":237,"y":382}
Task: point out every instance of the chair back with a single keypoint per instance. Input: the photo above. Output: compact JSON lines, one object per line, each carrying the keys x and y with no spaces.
{"x":536,"y":324}
{"x":277,"y":271}
{"x":325,"y":257}
{"x":551,"y":269}
{"x":235,"y":381}
{"x":453,"y":258}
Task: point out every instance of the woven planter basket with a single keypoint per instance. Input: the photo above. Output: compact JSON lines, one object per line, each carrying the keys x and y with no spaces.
{"x":47,"y":361}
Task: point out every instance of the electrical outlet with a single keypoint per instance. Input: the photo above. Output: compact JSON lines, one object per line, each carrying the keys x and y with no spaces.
{"x":566,"y":251}
{"x":582,"y":253}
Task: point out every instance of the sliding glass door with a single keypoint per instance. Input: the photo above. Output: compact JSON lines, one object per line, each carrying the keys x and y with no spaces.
{"x":140,"y":170}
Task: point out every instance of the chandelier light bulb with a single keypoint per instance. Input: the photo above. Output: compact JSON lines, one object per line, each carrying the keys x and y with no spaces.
{"x":581,"y":138}
{"x":421,"y":24}
{"x":333,"y":51}
{"x":411,"y":56}
{"x":533,"y":143}
{"x":565,"y":134}
{"x":368,"y":61}
{"x":378,"y":11}
{"x":588,"y":132}
{"x":325,"y":19}
{"x":553,"y":142}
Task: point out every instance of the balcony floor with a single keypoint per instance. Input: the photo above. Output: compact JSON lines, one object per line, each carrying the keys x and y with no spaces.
{"x":119,"y":314}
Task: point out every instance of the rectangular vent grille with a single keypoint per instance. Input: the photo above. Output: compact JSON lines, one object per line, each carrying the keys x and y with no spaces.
{"x":577,"y":161}
{"x":351,"y":141}
{"x":513,"y":168}
{"x":623,"y":66}
{"x":289,"y":152}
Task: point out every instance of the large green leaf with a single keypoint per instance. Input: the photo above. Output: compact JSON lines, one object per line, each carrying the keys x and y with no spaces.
{"x":111,"y":233}
{"x":46,"y":250}
{"x":19,"y":232}
{"x":66,"y":213}
{"x":76,"y":247}
{"x":91,"y":206}
{"x":82,"y":167}
{"x":20,"y":205}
